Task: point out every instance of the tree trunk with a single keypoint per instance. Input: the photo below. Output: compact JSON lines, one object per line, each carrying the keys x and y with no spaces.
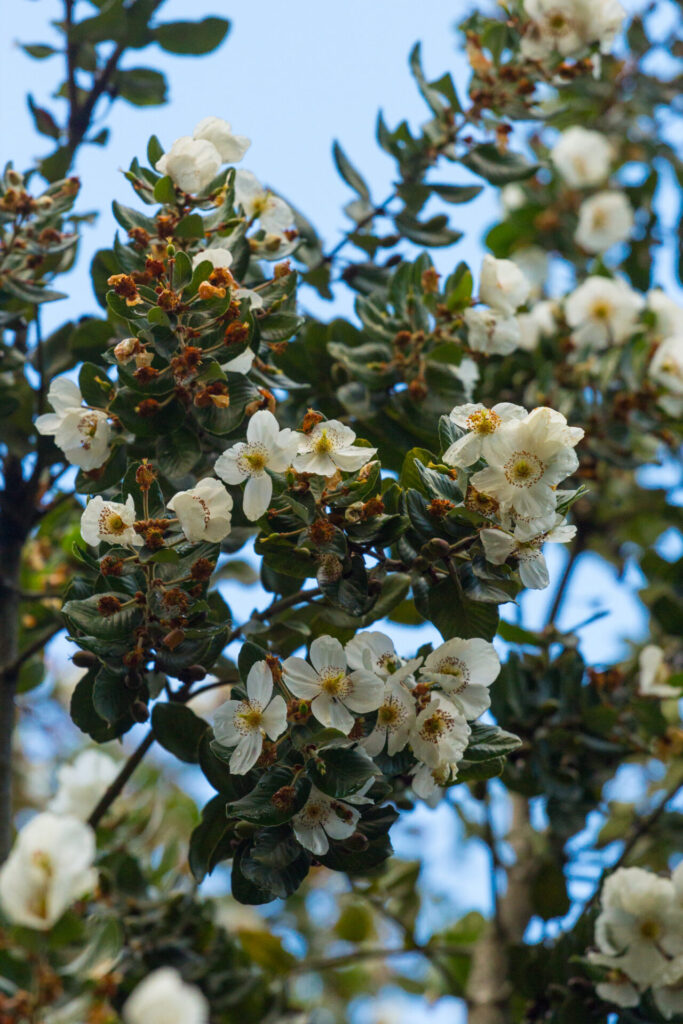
{"x":10,"y":562}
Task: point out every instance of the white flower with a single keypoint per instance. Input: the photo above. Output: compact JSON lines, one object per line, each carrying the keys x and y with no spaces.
{"x":503,"y":285}
{"x":329,"y":685}
{"x":191,"y":163}
{"x":667,"y":989}
{"x":272,"y":213}
{"x":491,"y":332}
{"x":569,"y":26}
{"x":82,"y":783}
{"x":481,"y":424}
{"x":668,"y":314}
{"x":109,"y":521}
{"x":428,"y":782}
{"x":49,"y":867}
{"x":533,"y":571}
{"x":216,"y":257}
{"x":375,"y":652}
{"x":538,"y":323}
{"x":395,"y":719}
{"x":512,"y":197}
{"x":616,"y":987}
{"x":527,"y":459}
{"x":464,"y":669}
{"x":533,"y":262}
{"x":641,"y":922}
{"x":242,"y":724}
{"x":666,"y":369}
{"x":654,"y":673}
{"x":266,"y":448}
{"x":164,"y":998}
{"x":604,"y":220}
{"x":583,"y":157}
{"x":440,"y":733}
{"x":602,"y":312}
{"x":322,"y":817}
{"x":82,"y":434}
{"x":467,"y":372}
{"x":328,"y":447}
{"x":218,"y":132}
{"x":204,"y":511}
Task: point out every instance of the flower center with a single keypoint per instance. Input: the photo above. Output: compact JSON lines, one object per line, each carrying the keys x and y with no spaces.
{"x":87,"y":427}
{"x":253,"y":459}
{"x":650,"y":930}
{"x":204,"y":507}
{"x":323,"y":444}
{"x":523,"y":469}
{"x":314,"y":813}
{"x":111,"y":522}
{"x":334,"y":682}
{"x":456,"y":668}
{"x":434,"y":727}
{"x":391,"y":714}
{"x":389,"y":662}
{"x":601,"y":310}
{"x":557,"y":21}
{"x":484,"y":421}
{"x":248,"y":717}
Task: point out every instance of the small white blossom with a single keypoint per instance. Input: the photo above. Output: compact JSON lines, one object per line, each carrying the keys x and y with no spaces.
{"x":217,"y":257}
{"x":513,"y":197}
{"x":329,"y":685}
{"x":258,"y":203}
{"x":583,"y":157}
{"x":109,"y":521}
{"x":322,"y":819}
{"x":191,"y":163}
{"x":215,"y":130}
{"x":527,"y":459}
{"x":266,"y":448}
{"x":164,"y":998}
{"x":375,"y":652}
{"x":48,"y":869}
{"x":666,"y":370}
{"x":654,"y":674}
{"x":464,"y":669}
{"x":527,"y":550}
{"x":568,"y":27}
{"x":429,"y":782}
{"x":82,"y":783}
{"x":668,"y":314}
{"x":481,"y":424}
{"x":440,"y":733}
{"x":328,"y":447}
{"x":491,"y":332}
{"x":242,"y":724}
{"x":604,"y":220}
{"x":616,"y":988}
{"x":395,"y":720}
{"x":83,"y":434}
{"x":667,"y":989}
{"x":503,"y":285}
{"x":640,"y":923}
{"x":602,"y":312}
{"x":538,"y":323}
{"x":204,"y":511}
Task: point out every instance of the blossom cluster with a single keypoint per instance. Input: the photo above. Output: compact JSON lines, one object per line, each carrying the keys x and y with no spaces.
{"x":569,"y":28}
{"x":639,"y":939}
{"x":525,"y":456}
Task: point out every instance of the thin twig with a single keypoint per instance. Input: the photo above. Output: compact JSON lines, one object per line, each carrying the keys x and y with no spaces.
{"x":28,"y":652}
{"x":121,"y":779}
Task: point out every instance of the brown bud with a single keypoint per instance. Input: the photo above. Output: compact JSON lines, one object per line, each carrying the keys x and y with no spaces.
{"x":110,"y":566}
{"x":168,"y":299}
{"x":439,"y":508}
{"x":236,"y":333}
{"x":209,"y":291}
{"x":125,"y":287}
{"x":147,"y":407}
{"x":192,"y":674}
{"x":430,"y":281}
{"x":310,"y":420}
{"x":139,"y":711}
{"x":145,"y":475}
{"x":173,"y":639}
{"x":321,"y":531}
{"x":202,"y":569}
{"x":155,"y":268}
{"x":139,"y":237}
{"x":108,"y":605}
{"x":84,"y":659}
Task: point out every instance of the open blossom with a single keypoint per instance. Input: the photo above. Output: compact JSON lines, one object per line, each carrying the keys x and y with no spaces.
{"x":640,"y":923}
{"x":667,"y":989}
{"x":525,"y":549}
{"x":428,"y":781}
{"x":83,"y":434}
{"x":491,"y":332}
{"x":329,"y":685}
{"x":527,"y":459}
{"x":48,"y":869}
{"x":654,"y":673}
{"x":109,"y":521}
{"x":503,"y":285}
{"x":538,"y":323}
{"x":666,"y":370}
{"x":375,"y":652}
{"x":440,"y":733}
{"x":604,"y":220}
{"x":258,"y":203}
{"x":242,"y":724}
{"x":164,"y":998}
{"x":321,"y":819}
{"x":219,"y":133}
{"x":217,"y":257}
{"x":569,"y":26}
{"x":464,"y":669}
{"x":583,"y":157}
{"x":191,"y":163}
{"x":82,"y":783}
{"x":266,"y":448}
{"x":667,"y":313}
{"x":328,"y":447}
{"x":602,"y":312}
{"x":616,"y":987}
{"x":204,"y":511}
{"x":481,"y":424}
{"x":395,"y":719}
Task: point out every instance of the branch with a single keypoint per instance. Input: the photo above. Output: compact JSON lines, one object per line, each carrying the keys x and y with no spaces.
{"x":561,"y":592}
{"x":273,"y":609}
{"x":120,"y":781}
{"x":10,"y":671}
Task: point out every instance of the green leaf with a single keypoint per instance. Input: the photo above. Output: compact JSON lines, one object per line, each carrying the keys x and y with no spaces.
{"x":155,"y":151}
{"x":84,"y":615}
{"x":111,"y":699}
{"x":43,"y":120}
{"x":207,"y":842}
{"x":260,"y":808}
{"x":488,"y":741}
{"x":453,"y":614}
{"x":351,"y":176}
{"x":496,"y":167}
{"x":178,"y":730}
{"x":341,"y":771}
{"x":192,"y":37}
{"x":274,"y":862}
{"x":39,"y":50}
{"x":433,"y":232}
{"x":191,"y":226}
{"x":143,"y":87}
{"x":456,"y":193}
{"x":164,"y":191}
{"x":178,"y":453}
